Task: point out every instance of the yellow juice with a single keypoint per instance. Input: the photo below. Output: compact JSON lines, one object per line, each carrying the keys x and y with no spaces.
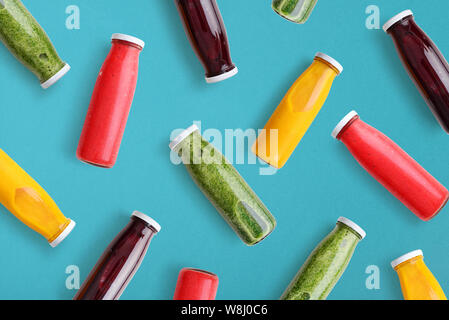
{"x":296,"y":112}
{"x":26,"y":199}
{"x":417,"y":282}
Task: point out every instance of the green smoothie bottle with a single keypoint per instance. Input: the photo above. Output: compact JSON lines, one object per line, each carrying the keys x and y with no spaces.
{"x":224,"y":187}
{"x":29,"y":43}
{"x":297,"y":11}
{"x":326,"y":264}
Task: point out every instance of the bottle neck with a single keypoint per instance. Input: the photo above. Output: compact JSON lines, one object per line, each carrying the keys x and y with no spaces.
{"x":402,"y":26}
{"x":341,"y":227}
{"x":414,"y":264}
{"x":126,"y":43}
{"x":142,"y":227}
{"x":191,"y":143}
{"x":191,"y":151}
{"x":327,"y":64}
{"x":348,"y":125}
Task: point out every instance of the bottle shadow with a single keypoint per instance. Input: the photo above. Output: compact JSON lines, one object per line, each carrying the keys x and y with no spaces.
{"x":14,"y":226}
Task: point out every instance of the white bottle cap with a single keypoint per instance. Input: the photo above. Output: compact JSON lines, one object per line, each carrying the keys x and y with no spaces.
{"x":353,"y":226}
{"x":406,"y":257}
{"x":397,"y":18}
{"x":182,"y":136}
{"x":222,"y":76}
{"x":147,"y":219}
{"x":340,"y":126}
{"x":331,"y":60}
{"x":128,"y":38}
{"x":63,"y":234}
{"x":47,"y":84}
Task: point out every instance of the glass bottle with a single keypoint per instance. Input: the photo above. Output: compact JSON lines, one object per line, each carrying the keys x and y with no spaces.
{"x":424,"y":63}
{"x":224,"y":187}
{"x":206,"y":31}
{"x":120,"y":261}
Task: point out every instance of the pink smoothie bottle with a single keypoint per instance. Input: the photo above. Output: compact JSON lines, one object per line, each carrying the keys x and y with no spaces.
{"x":111,"y":102}
{"x":392,"y":167}
{"x":196,"y":284}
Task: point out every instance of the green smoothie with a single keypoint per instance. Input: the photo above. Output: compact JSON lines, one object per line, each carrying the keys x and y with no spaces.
{"x":297,"y":11}
{"x":326,"y":264}
{"x":29,"y":43}
{"x":224,"y":187}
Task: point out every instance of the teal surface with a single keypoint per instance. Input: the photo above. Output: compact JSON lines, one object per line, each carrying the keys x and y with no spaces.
{"x":321,"y":181}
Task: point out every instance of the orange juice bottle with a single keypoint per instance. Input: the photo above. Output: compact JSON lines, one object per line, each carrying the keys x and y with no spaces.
{"x":417,"y":282}
{"x":26,"y":199}
{"x":296,"y":112}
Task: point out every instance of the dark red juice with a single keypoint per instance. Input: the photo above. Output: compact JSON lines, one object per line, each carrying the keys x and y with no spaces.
{"x":206,"y":31}
{"x":424,"y":62}
{"x":120,"y":261}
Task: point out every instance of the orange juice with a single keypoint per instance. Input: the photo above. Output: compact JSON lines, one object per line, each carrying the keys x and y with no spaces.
{"x":26,"y":199}
{"x":296,"y":112}
{"x":417,"y":282}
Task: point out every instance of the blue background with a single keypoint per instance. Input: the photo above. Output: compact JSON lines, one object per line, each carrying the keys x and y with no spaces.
{"x":321,"y":181}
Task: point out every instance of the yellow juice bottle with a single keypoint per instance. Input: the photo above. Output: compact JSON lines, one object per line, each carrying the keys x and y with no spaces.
{"x":296,"y":112}
{"x":417,"y":282}
{"x":26,"y":199}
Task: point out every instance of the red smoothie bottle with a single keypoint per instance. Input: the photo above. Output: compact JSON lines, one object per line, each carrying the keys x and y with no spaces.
{"x":111,"y":102}
{"x":424,"y":63}
{"x":120,"y":261}
{"x":392,"y":167}
{"x":207,"y":34}
{"x":195,"y":284}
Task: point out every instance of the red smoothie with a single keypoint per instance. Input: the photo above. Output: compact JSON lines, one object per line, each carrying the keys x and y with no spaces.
{"x":391,"y":166}
{"x":111,"y":102}
{"x":195,"y":284}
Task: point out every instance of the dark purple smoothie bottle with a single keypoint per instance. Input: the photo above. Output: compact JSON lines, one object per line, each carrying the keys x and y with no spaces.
{"x":207,"y":34}
{"x":424,"y":62}
{"x":120,"y":261}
